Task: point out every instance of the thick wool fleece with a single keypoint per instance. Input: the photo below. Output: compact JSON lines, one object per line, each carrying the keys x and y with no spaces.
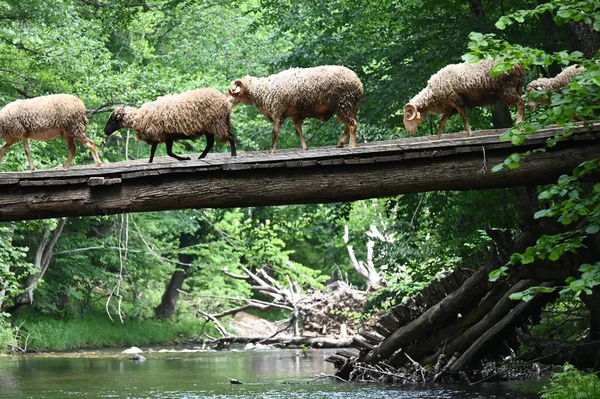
{"x":62,"y":112}
{"x":194,"y":112}
{"x":318,"y":92}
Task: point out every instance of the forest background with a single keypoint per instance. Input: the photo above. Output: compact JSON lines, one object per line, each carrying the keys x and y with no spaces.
{"x":77,"y":282}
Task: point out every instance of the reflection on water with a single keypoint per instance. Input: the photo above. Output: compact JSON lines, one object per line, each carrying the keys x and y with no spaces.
{"x":267,"y":374}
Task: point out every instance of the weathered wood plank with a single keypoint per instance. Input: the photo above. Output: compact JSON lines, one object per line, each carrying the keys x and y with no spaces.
{"x":290,"y":176}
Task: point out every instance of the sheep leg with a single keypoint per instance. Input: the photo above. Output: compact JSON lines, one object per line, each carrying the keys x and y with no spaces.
{"x":463,"y":115}
{"x":28,"y":152}
{"x":513,"y":99}
{"x":152,"y":151}
{"x":72,"y":148}
{"x":343,"y":137}
{"x":352,"y":128}
{"x":89,"y":143}
{"x":298,"y":126}
{"x":169,"y":144}
{"x":276,"y":127}
{"x":349,"y":131}
{"x":6,"y":146}
{"x":210,"y":141}
{"x":520,"y":110}
{"x":442,"y":124}
{"x":231,"y":140}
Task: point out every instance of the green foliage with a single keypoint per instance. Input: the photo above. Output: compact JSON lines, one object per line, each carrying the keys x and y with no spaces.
{"x":13,"y":264}
{"x":562,"y":10}
{"x":96,"y":330}
{"x":564,"y":319}
{"x":8,"y":334}
{"x":431,"y":235}
{"x":130,"y":54}
{"x":571,"y":201}
{"x":529,"y":293}
{"x":572,"y":384}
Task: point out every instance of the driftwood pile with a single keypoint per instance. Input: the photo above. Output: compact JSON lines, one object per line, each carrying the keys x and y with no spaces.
{"x":461,"y":326}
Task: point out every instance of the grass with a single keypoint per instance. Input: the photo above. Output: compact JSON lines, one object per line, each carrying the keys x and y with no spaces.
{"x":96,"y":330}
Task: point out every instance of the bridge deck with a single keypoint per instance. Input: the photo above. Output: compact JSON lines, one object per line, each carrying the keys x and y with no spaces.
{"x":324,"y":174}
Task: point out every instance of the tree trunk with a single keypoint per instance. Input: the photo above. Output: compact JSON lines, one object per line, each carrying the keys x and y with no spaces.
{"x":501,"y":118}
{"x":168,"y":303}
{"x":496,"y":314}
{"x":42,"y":258}
{"x":447,"y":309}
{"x":491,"y":333}
{"x":588,"y":39}
{"x":477,"y":9}
{"x":592,"y":302}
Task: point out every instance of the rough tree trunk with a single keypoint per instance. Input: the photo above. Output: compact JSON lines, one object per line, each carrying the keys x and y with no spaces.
{"x":41,"y":262}
{"x":168,"y":303}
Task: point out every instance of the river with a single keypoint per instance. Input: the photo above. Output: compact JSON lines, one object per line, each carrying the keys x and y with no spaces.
{"x":265,"y":374}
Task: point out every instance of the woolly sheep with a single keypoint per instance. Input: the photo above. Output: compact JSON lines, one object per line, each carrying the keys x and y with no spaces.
{"x":173,"y":117}
{"x":550,"y":85}
{"x":46,"y":118}
{"x":459,"y":86}
{"x":301,"y":93}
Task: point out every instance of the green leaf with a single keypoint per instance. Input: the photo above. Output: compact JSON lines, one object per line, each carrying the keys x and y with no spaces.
{"x":517,"y":139}
{"x":505,"y":136}
{"x":496,"y":274}
{"x":592,"y":229}
{"x":498,"y":167}
{"x":527,"y":259}
{"x":517,"y":296}
{"x":554,"y":255}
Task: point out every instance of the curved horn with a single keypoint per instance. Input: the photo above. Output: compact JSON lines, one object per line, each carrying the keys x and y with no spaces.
{"x":410,"y":112}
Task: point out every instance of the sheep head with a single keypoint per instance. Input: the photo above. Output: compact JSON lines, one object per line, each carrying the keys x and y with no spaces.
{"x":115,"y":121}
{"x":412,"y":118}
{"x":537,"y":95}
{"x":237,"y":92}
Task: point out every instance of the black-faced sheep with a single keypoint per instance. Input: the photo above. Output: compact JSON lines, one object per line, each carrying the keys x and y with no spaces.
{"x":184,"y":116}
{"x":551,"y":85}
{"x":301,"y":93}
{"x":46,"y":118}
{"x":457,"y":87}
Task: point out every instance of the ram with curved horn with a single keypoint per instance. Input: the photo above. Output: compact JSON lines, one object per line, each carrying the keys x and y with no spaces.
{"x":457,"y":87}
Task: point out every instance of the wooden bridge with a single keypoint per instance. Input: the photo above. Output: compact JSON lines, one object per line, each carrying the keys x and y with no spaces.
{"x":318,"y":175}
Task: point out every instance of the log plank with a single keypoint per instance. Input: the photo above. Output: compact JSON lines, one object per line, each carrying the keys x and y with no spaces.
{"x":291,"y":176}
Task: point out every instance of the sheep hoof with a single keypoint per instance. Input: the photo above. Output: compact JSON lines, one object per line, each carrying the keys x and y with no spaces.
{"x":340,"y":145}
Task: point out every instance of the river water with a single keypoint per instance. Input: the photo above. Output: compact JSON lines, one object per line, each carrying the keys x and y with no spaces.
{"x":265,"y":374}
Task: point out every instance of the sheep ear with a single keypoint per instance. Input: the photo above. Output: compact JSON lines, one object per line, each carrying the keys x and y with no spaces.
{"x":410,"y":112}
{"x":237,"y":89}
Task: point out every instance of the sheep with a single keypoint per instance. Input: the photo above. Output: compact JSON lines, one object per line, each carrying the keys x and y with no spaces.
{"x":459,"y":86}
{"x":301,"y":93}
{"x":551,"y":85}
{"x":46,"y":118}
{"x":173,"y":117}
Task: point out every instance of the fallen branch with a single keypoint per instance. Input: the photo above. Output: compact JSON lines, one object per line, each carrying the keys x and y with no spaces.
{"x":218,"y":325}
